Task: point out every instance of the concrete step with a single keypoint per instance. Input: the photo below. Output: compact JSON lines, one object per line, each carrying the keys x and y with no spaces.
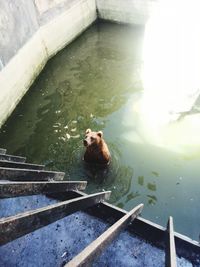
{"x":2,"y":151}
{"x":15,"y":174}
{"x":20,"y":165}
{"x":12,"y":158}
{"x":23,"y":223}
{"x":15,"y":189}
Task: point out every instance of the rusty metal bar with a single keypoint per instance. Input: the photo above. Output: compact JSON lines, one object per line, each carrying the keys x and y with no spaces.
{"x":21,"y":224}
{"x":20,"y":165}
{"x":15,"y":174}
{"x":86,"y":257}
{"x":12,"y":158}
{"x":170,"y":254}
{"x":13,"y":189}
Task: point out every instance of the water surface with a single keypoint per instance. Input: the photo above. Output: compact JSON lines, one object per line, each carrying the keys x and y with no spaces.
{"x":95,"y":83}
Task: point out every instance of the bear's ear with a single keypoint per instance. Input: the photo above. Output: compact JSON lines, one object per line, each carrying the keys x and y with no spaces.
{"x":88,"y":131}
{"x":100,"y":134}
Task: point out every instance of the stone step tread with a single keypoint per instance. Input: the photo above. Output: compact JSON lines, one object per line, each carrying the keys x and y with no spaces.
{"x":12,"y":158}
{"x":21,"y":165}
{"x":10,"y":189}
{"x":16,"y":174}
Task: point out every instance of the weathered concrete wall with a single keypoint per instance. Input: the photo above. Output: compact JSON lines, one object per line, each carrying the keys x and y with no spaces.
{"x":18,"y":22}
{"x":45,"y":5}
{"x":30,"y":33}
{"x":125,"y":11}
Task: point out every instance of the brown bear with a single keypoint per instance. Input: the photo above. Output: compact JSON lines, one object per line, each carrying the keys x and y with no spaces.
{"x":96,"y":148}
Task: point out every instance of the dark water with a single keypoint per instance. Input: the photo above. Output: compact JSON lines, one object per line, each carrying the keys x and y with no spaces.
{"x":94,"y":83}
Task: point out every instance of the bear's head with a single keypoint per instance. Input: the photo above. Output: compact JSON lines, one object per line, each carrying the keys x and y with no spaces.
{"x":92,"y":138}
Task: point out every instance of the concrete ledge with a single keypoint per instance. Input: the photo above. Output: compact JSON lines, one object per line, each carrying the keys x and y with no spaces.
{"x":18,"y":75}
{"x":63,"y":29}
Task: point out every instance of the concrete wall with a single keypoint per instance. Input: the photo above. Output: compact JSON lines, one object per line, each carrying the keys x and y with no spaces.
{"x":18,"y":22}
{"x":125,"y":11}
{"x":32,"y":31}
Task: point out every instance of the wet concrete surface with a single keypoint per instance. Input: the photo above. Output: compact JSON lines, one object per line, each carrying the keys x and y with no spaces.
{"x":57,"y":243}
{"x":15,"y":205}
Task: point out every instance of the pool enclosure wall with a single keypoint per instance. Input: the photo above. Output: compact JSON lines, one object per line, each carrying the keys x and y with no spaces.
{"x":33,"y":31}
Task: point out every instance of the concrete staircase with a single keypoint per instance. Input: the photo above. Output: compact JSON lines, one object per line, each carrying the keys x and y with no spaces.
{"x":20,"y":179}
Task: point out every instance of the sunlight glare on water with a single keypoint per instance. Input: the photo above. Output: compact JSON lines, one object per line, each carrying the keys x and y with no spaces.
{"x":171,"y":80}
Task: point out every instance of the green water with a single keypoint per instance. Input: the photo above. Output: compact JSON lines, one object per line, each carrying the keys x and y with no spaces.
{"x":94,"y":83}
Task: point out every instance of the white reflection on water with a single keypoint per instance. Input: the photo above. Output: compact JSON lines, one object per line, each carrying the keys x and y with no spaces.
{"x":171,"y":74}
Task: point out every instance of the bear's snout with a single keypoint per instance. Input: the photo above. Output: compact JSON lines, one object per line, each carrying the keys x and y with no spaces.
{"x":85,"y":142}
